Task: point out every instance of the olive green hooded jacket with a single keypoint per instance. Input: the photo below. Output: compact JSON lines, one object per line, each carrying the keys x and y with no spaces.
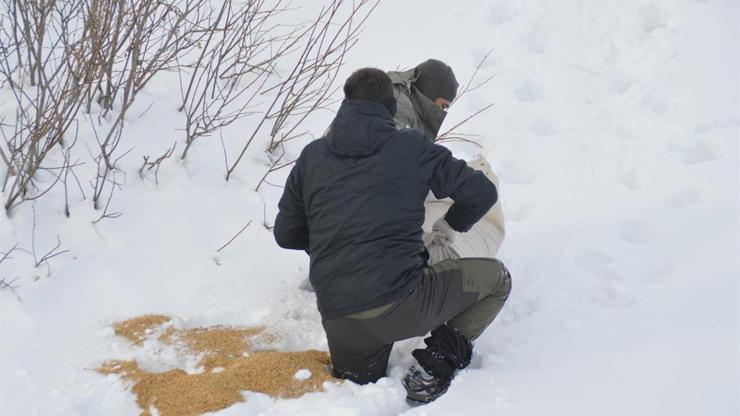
{"x":414,"y":109}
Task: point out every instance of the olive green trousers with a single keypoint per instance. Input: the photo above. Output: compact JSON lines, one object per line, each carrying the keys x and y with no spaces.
{"x":466,"y":294}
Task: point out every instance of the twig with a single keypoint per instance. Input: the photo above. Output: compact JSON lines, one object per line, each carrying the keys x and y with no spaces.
{"x":4,"y":284}
{"x":449,"y":132}
{"x":52,"y":253}
{"x":6,"y":255}
{"x":321,"y":47}
{"x":459,"y":139}
{"x":156,"y":164}
{"x":49,"y":254}
{"x":467,"y":87}
{"x":234,"y":237}
{"x":264,"y":216}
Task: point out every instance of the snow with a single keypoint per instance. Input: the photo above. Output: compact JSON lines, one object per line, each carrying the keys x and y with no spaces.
{"x":615,"y":136}
{"x":303,"y":374}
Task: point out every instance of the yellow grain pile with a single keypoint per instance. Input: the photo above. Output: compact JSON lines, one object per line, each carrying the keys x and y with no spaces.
{"x":230,"y":367}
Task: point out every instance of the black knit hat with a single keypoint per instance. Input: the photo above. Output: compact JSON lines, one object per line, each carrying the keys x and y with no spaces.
{"x":435,"y":79}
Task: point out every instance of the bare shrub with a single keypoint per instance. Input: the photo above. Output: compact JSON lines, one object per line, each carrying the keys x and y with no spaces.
{"x":234,"y":62}
{"x":43,"y":64}
{"x":61,"y":60}
{"x":155,"y":33}
{"x":320,"y":48}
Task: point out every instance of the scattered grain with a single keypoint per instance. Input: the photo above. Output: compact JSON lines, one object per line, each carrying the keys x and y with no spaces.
{"x":231,"y":368}
{"x":135,"y":330}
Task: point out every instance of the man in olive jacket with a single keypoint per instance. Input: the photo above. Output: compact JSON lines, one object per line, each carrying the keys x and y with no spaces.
{"x":354,"y":201}
{"x":423,"y":94}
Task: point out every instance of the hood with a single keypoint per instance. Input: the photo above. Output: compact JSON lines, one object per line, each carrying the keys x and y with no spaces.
{"x":360,"y":128}
{"x":430,"y":115}
{"x":405,"y":78}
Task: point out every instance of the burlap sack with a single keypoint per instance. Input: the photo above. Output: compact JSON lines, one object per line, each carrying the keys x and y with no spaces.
{"x":483,"y":240}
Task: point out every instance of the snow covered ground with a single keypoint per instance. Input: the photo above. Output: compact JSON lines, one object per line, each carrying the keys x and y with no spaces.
{"x":615,"y":134}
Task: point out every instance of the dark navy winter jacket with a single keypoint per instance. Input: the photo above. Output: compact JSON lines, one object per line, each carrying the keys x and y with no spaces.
{"x":355,"y":202}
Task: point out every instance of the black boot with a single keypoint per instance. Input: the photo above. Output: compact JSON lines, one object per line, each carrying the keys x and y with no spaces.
{"x":447,"y":351}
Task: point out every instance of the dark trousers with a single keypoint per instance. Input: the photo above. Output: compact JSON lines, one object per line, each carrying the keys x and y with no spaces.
{"x":467,"y":294}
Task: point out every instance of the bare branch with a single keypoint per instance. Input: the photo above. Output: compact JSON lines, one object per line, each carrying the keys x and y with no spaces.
{"x":447,"y":135}
{"x":7,"y":254}
{"x":5,"y":284}
{"x":53,"y":252}
{"x":452,"y":134}
{"x":156,"y":164}
{"x":470,"y":86}
{"x":234,"y":237}
{"x":321,"y":47}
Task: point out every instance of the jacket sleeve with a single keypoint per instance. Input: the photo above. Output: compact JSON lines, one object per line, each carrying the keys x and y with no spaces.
{"x":472,"y":192}
{"x":291,"y":227}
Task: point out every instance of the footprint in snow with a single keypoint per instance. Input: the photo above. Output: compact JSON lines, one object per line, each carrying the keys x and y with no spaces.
{"x":655,"y":103}
{"x":657,"y":271}
{"x":529,"y":92}
{"x":620,"y":82}
{"x":653,"y":17}
{"x":636,"y":232}
{"x":502,"y":11}
{"x":705,"y":150}
{"x":684,"y":198}
{"x":613,"y":295}
{"x":593,"y":259}
{"x":599,"y":265}
{"x":535,"y":39}
{"x":543,"y":127}
{"x":631,"y":178}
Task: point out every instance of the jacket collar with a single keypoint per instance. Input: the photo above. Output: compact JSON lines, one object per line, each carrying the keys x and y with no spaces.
{"x":360,"y":128}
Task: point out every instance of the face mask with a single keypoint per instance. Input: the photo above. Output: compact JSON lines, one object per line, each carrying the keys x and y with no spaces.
{"x":390,"y":105}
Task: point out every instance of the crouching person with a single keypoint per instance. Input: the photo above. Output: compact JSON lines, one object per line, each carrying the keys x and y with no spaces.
{"x":354,"y":201}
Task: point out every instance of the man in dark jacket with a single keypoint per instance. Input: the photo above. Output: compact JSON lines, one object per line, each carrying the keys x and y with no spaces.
{"x":354,"y":202}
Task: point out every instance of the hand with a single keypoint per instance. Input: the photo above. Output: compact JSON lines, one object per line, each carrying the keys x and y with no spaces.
{"x":444,"y":234}
{"x":427,"y":238}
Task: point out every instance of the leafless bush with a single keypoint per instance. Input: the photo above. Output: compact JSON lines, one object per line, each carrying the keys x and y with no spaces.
{"x":60,"y":56}
{"x":155,"y":33}
{"x":321,"y":47}
{"x":60,"y":59}
{"x":238,"y":61}
{"x":43,"y":63}
{"x":234,"y":63}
